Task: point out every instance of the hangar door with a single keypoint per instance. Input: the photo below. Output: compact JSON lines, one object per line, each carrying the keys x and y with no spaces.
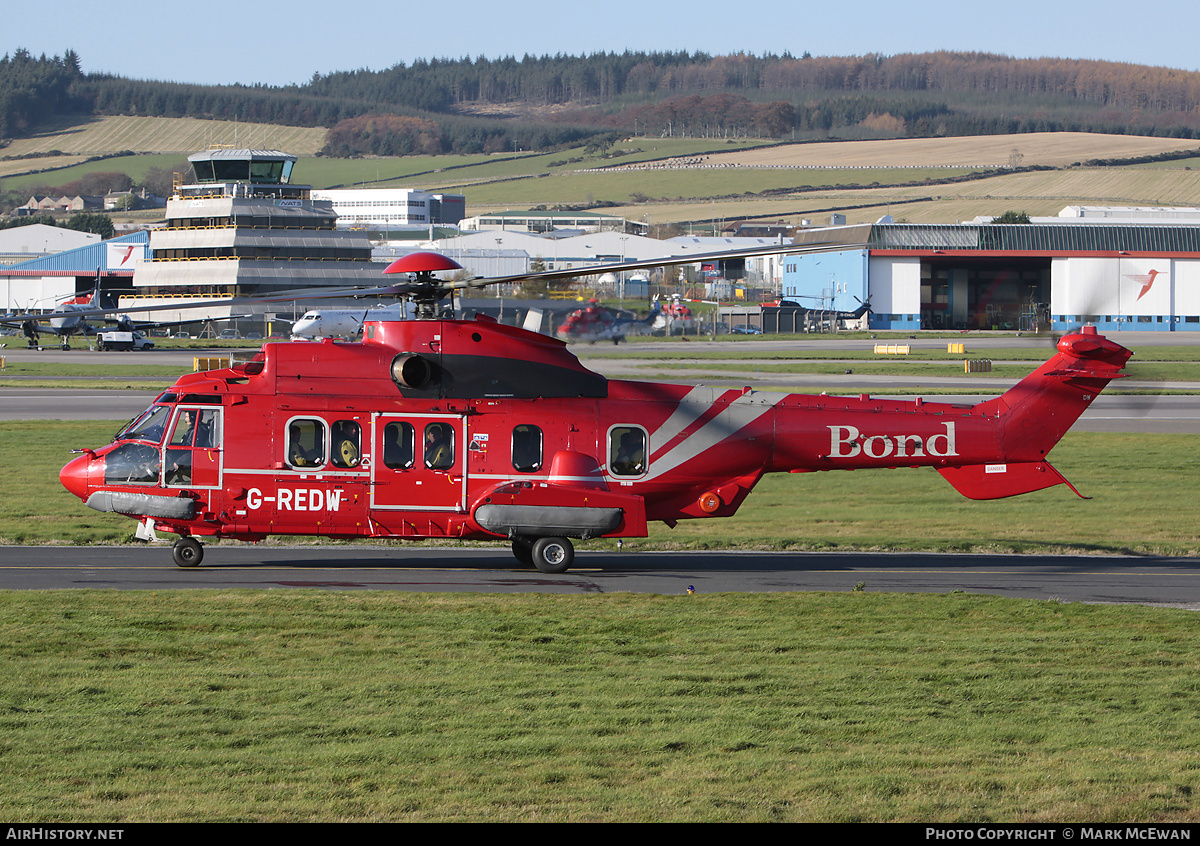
{"x":985,"y":293}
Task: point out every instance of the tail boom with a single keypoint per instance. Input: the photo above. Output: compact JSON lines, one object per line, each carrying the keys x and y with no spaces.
{"x":990,"y":450}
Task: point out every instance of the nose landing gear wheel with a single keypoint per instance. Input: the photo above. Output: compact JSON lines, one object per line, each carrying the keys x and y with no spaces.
{"x":552,"y":555}
{"x":187,"y":552}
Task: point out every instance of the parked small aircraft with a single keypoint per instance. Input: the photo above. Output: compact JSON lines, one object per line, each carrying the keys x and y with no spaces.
{"x":68,"y":318}
{"x":471,"y":429}
{"x":80,"y":315}
{"x":317,"y":323}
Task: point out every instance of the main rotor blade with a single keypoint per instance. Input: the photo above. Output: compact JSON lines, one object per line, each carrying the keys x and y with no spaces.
{"x":645,"y":264}
{"x":279,"y":296}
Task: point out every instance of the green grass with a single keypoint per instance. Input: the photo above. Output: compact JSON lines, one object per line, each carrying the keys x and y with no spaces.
{"x":296,"y":706}
{"x":624,"y":187}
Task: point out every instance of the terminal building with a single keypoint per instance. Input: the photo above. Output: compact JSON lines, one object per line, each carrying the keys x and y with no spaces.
{"x":392,"y":208}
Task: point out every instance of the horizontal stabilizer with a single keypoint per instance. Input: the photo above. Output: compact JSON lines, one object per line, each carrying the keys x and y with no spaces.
{"x":996,"y":481}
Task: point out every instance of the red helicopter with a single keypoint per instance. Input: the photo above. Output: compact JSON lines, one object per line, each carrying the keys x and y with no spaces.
{"x":595,"y":323}
{"x":471,"y":429}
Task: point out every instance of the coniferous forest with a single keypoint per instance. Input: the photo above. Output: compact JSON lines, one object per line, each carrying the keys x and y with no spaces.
{"x":543,"y":102}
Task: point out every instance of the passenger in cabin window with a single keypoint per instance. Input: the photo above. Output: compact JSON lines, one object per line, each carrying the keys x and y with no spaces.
{"x":439,"y":451}
{"x":300,"y":455}
{"x":630,"y":456}
{"x":398,"y":446}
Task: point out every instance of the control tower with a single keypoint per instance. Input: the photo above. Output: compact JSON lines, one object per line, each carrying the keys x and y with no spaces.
{"x":243,"y":228}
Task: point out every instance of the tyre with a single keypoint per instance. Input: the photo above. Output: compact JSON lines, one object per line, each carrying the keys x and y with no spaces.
{"x":187,"y":552}
{"x":553,"y":555}
{"x":522,"y":549}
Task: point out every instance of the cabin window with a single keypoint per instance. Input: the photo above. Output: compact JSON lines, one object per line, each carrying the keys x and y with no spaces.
{"x":439,"y":446}
{"x":627,"y":451}
{"x":398,"y":446}
{"x":306,"y":443}
{"x":526,"y":448}
{"x":346,"y":443}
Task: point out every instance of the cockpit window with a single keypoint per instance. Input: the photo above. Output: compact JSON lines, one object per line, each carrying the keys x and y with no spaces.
{"x":148,"y":427}
{"x":131,"y":464}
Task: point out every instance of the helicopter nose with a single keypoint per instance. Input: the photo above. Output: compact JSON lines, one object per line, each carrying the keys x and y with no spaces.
{"x":74,"y":476}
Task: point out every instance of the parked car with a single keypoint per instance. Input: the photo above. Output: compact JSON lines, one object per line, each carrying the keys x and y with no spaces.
{"x":745,"y":330}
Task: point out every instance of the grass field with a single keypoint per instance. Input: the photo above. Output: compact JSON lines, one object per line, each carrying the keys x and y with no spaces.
{"x":298,"y":706}
{"x":307,"y":705}
{"x":103,"y":135}
{"x":894,"y":177}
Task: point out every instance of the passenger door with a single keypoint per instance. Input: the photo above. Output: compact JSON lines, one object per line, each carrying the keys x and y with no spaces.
{"x":419,"y":462}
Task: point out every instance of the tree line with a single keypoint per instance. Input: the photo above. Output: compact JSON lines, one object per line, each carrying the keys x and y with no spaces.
{"x":430,"y":104}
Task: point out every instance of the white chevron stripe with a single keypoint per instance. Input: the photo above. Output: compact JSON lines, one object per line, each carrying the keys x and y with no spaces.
{"x":729,"y":421}
{"x":697,"y":401}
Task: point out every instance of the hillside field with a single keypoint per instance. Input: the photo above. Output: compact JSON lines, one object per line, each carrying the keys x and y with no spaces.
{"x":675,"y":180}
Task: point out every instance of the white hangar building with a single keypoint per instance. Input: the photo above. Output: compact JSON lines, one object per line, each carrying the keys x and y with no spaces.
{"x":1119,"y":269}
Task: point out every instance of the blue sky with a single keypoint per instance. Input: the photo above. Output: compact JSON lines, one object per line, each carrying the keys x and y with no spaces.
{"x":218,"y":41}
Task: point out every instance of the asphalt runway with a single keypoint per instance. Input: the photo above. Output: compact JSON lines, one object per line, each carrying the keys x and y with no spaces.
{"x":15,"y":349}
{"x":1169,"y":582}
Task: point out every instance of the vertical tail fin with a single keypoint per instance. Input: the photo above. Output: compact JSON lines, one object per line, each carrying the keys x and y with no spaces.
{"x":1040,"y":409}
{"x":1037,"y":412}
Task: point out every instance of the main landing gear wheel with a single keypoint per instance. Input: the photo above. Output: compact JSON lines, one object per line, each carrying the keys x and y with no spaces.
{"x":522,"y":549}
{"x":187,"y":552}
{"x":552,"y":555}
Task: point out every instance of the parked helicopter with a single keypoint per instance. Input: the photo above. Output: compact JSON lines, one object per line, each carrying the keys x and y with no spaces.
{"x":471,"y":429}
{"x":828,"y":314}
{"x":676,"y":318}
{"x":594,"y":323}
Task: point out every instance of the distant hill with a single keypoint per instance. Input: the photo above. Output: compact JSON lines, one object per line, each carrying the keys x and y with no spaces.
{"x":468,"y":106}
